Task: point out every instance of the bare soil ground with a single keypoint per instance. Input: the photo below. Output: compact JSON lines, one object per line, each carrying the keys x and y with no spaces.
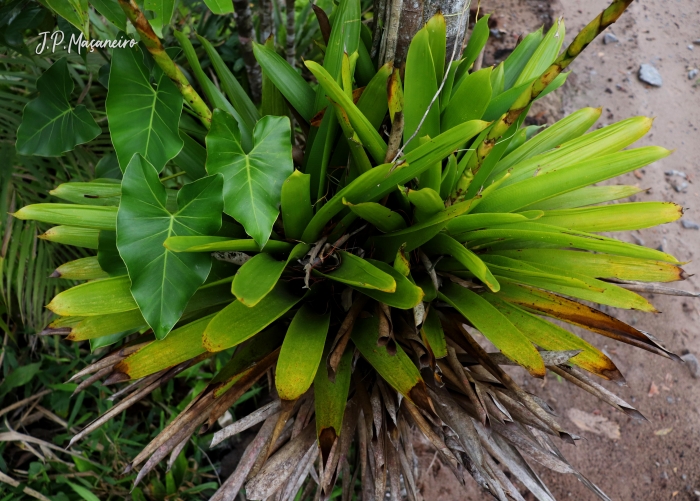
{"x":658,"y":459}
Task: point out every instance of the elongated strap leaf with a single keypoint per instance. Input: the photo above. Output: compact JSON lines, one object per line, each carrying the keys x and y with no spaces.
{"x":252,"y":181}
{"x":301,"y":353}
{"x":86,"y":268}
{"x":223,"y":244}
{"x":448,"y":246}
{"x":579,"y":314}
{"x":94,"y":193}
{"x":257,"y":277}
{"x":381,"y":217}
{"x":551,"y":337}
{"x":142,"y":119}
{"x":162,"y":282}
{"x":365,"y":130}
{"x":406,"y":296}
{"x":236,"y":323}
{"x":296,"y":204}
{"x":470,"y":100}
{"x":72,"y":235}
{"x":357,"y":272}
{"x":600,"y":265}
{"x":432,"y":334}
{"x":50,"y":125}
{"x":496,"y":327}
{"x":398,"y":370}
{"x":471,"y":222}
{"x":617,"y":217}
{"x":381,"y":180}
{"x":101,"y":297}
{"x":330,"y":399}
{"x":182,"y":344}
{"x":590,"y":195}
{"x":292,"y":86}
{"x":83,"y":216}
{"x":542,"y":187}
{"x":386,"y":246}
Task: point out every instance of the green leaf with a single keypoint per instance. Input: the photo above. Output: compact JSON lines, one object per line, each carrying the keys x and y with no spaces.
{"x":142,"y":119}
{"x":296,"y":204}
{"x":416,"y":235}
{"x":365,"y":130}
{"x":437,"y":34}
{"x":496,"y":327}
{"x":163,"y":282}
{"x":470,"y":100}
{"x":379,"y":216}
{"x":373,"y":102}
{"x":234,"y":91}
{"x":182,"y":344}
{"x":357,"y":272}
{"x":432,"y":334}
{"x":532,"y":190}
{"x":72,"y":235}
{"x":163,"y":11}
{"x":76,"y":12}
{"x":101,"y":297}
{"x":258,"y":276}
{"x":94,"y":193}
{"x":223,"y":244}
{"x":86,"y":268}
{"x":50,"y":125}
{"x":448,"y":246}
{"x":112,"y":11}
{"x":253,"y":181}
{"x":551,"y":337}
{"x":420,"y":85}
{"x":600,"y":265}
{"x":398,"y":370}
{"x":82,"y":328}
{"x":19,"y":377}
{"x":292,"y":86}
{"x":517,"y":60}
{"x":84,"y":216}
{"x":617,"y":217}
{"x":590,"y":195}
{"x":330,"y":398}
{"x":477,"y":41}
{"x":108,"y":255}
{"x":248,"y":321}
{"x":220,"y":7}
{"x":381,"y":180}
{"x":406,"y":296}
{"x":301,"y":353}
{"x":84,"y":493}
{"x":192,"y":157}
{"x":427,"y":201}
{"x":545,"y":54}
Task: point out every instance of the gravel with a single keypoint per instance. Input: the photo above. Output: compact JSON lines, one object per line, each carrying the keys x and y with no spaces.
{"x":610,"y":38}
{"x":690,"y":225}
{"x":692,"y":73}
{"x":650,"y":75}
{"x":691,"y":362}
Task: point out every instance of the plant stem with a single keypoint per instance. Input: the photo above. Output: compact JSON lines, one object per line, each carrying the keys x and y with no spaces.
{"x":152,"y":43}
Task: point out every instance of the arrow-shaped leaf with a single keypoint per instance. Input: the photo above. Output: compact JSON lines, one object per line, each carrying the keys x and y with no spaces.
{"x":252,"y":181}
{"x":162,"y":282}
{"x":50,"y":125}
{"x":142,"y":119}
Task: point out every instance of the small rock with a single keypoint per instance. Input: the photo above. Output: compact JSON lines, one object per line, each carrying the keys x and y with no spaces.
{"x":650,"y":75}
{"x":692,"y":363}
{"x":697,"y":42}
{"x":679,"y":173}
{"x":693,"y":73}
{"x":670,"y":400}
{"x":495,"y":33}
{"x":690,"y":225}
{"x":610,"y":38}
{"x":690,"y":47}
{"x":679,"y":186}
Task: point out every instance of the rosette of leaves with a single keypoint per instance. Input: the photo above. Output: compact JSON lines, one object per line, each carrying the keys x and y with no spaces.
{"x":422,"y":212}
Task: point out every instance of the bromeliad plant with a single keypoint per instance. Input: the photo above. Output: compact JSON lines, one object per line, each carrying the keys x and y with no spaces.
{"x":422,"y":212}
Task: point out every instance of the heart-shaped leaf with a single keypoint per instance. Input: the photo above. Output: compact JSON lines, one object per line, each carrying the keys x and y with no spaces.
{"x":50,"y":125}
{"x":253,"y":180}
{"x":162,"y":282}
{"x":142,"y":118}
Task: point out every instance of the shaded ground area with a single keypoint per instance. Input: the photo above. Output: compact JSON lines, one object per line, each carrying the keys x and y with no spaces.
{"x":659,"y":459}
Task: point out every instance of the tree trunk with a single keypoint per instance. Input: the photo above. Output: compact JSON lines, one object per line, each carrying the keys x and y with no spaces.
{"x":246,"y":34}
{"x":401,"y":19}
